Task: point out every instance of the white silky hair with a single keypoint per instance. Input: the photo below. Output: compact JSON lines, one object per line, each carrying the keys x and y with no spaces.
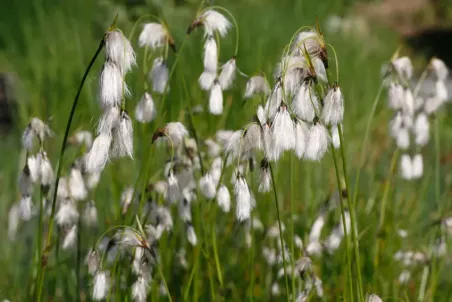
{"x":214,"y":21}
{"x":98,"y":156}
{"x":159,"y":75}
{"x":317,"y":142}
{"x":119,"y":51}
{"x":227,"y":74}
{"x":216,"y":99}
{"x":224,"y":199}
{"x":153,"y":35}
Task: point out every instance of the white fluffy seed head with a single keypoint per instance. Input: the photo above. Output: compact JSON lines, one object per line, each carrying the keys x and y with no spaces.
{"x":421,"y":129}
{"x":301,"y":138}
{"x":317,"y":142}
{"x":207,"y":186}
{"x":305,"y":103}
{"x":176,"y":131}
{"x":243,"y":199}
{"x":123,"y":137}
{"x":261,"y":115}
{"x":119,"y":51}
{"x":67,"y":213}
{"x":153,"y":35}
{"x":265,"y":180}
{"x":191,"y":235}
{"x":174,"y":193}
{"x":214,"y":21}
{"x":227,"y":74}
{"x":320,"y":70}
{"x":403,"y":67}
{"x":441,"y":92}
{"x":139,"y":289}
{"x":417,"y":166}
{"x":145,"y":111}
{"x":335,"y":138}
{"x":403,"y":138}
{"x":373,"y":298}
{"x":333,"y":110}
{"x":83,"y":138}
{"x":439,"y":68}
{"x":109,"y":120}
{"x":101,"y":285}
{"x":395,"y":96}
{"x":98,"y":156}
{"x":70,"y":239}
{"x":36,"y":128}
{"x":256,"y":85}
{"x":210,"y":55}
{"x":207,"y":79}
{"x":274,"y":101}
{"x":253,"y":138}
{"x":234,"y":145}
{"x":46,"y":170}
{"x":93,"y":261}
{"x":159,"y":75}
{"x":112,"y":87}
{"x":283,"y":131}
{"x":25,"y":208}
{"x":316,"y":229}
{"x":77,"y":188}
{"x":309,"y":40}
{"x":406,"y":167}
{"x":224,"y":198}
{"x":90,"y":214}
{"x":216,"y":99}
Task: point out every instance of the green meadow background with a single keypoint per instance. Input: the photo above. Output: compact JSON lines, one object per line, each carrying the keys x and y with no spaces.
{"x":46,"y":45}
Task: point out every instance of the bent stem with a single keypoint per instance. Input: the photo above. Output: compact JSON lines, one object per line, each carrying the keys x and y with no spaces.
{"x":344,"y":225}
{"x":280,"y":232}
{"x":351,"y":206}
{"x":44,"y":256}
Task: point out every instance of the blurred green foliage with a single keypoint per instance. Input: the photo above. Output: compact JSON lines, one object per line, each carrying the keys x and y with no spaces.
{"x":47,"y":44}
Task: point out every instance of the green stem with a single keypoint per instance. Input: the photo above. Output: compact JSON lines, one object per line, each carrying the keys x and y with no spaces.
{"x":215,"y":254}
{"x":164,"y":282}
{"x":192,"y":274}
{"x":280,"y":232}
{"x":79,"y":257}
{"x":354,"y":225}
{"x":344,"y":224}
{"x":387,"y":188}
{"x":365,"y":140}
{"x":44,"y":256}
{"x":292,"y":212}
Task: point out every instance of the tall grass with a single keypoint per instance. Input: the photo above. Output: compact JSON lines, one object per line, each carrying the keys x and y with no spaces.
{"x":48,"y":49}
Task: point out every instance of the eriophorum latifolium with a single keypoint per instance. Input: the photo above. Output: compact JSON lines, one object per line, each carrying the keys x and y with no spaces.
{"x":206,"y":214}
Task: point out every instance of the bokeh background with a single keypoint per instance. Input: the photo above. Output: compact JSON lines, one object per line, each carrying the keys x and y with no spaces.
{"x":45,"y":46}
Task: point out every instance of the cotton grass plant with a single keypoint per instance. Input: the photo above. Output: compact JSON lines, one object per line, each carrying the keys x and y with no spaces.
{"x":205,"y":213}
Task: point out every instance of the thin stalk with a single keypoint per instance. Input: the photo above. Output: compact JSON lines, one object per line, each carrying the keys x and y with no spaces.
{"x":215,"y":255}
{"x":44,"y":256}
{"x":280,"y":232}
{"x":387,"y":188}
{"x":437,"y":164}
{"x":173,"y":68}
{"x":192,"y":274}
{"x":352,"y":215}
{"x":164,"y":282}
{"x":78,"y":257}
{"x":252,"y":261}
{"x":344,"y":225}
{"x":292,"y":248}
{"x":365,"y":140}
